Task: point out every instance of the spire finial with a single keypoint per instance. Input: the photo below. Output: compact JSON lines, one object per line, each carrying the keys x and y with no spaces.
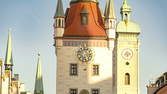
{"x":125,"y":6}
{"x":39,"y":54}
{"x":126,"y":11}
{"x":125,"y":2}
{"x":10,"y":29}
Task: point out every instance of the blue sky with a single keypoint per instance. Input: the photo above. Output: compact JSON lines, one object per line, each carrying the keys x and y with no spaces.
{"x":32,"y":32}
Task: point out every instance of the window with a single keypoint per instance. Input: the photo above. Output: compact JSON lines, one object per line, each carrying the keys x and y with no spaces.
{"x":127,"y":79}
{"x":95,"y":69}
{"x":84,"y":19}
{"x":95,"y":91}
{"x":73,"y":91}
{"x":59,"y":23}
{"x":84,"y":16}
{"x":73,"y":69}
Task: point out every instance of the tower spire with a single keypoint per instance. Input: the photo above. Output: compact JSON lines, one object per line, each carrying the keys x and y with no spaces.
{"x":59,"y":9}
{"x":126,"y":11}
{"x":9,"y":58}
{"x":110,"y":22}
{"x":109,"y":10}
{"x":39,"y":80}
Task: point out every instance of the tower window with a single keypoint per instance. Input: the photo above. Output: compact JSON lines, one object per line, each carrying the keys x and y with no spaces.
{"x":95,"y":69}
{"x":73,"y":69}
{"x":127,"y":79}
{"x":73,"y":91}
{"x":59,"y":23}
{"x":95,"y":91}
{"x":84,"y":19}
{"x":84,"y":16}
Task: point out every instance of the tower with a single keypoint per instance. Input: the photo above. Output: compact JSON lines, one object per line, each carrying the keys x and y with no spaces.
{"x":84,"y":60}
{"x":94,"y":54}
{"x":59,"y":24}
{"x":127,"y":54}
{"x":8,"y":66}
{"x":39,"y":79}
{"x":110,"y":22}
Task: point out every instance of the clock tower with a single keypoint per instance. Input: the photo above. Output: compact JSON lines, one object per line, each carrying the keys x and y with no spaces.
{"x":94,"y":55}
{"x":84,"y":43}
{"x":126,"y":65}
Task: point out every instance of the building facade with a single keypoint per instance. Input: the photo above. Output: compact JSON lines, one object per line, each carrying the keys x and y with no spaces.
{"x":95,"y":53}
{"x":9,"y":82}
{"x":159,"y":86}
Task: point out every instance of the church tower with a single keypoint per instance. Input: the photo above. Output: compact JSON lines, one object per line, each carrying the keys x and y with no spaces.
{"x":126,"y":65}
{"x":8,"y":67}
{"x":84,"y":49}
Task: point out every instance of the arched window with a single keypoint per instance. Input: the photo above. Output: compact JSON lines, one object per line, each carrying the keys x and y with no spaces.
{"x":127,"y":79}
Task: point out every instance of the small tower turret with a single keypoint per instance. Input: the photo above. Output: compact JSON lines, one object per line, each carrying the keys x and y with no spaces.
{"x":39,"y":79}
{"x":126,"y":11}
{"x":59,"y":23}
{"x":110,"y":22}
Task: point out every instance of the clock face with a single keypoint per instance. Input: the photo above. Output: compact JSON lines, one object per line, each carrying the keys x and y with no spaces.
{"x":85,"y":54}
{"x":127,"y":54}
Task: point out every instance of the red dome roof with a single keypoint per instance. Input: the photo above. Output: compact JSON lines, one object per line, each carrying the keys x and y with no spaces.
{"x":95,"y":26}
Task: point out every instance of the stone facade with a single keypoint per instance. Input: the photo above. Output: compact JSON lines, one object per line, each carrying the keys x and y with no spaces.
{"x":84,"y":80}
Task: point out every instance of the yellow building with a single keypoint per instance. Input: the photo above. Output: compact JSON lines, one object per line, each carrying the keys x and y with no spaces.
{"x":9,"y":83}
{"x":95,"y":53}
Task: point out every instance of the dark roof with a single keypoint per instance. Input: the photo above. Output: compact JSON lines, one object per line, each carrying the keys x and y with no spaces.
{"x":160,"y":88}
{"x":59,"y":10}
